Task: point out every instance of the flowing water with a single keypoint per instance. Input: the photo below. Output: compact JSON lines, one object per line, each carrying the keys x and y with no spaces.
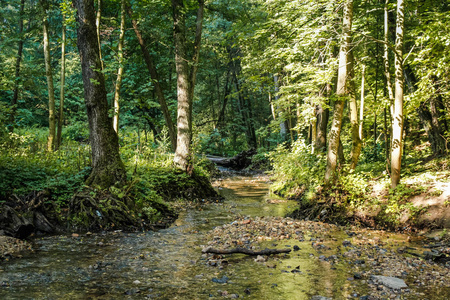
{"x":168,"y":264}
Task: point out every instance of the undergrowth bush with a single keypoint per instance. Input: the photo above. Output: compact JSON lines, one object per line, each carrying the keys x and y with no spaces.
{"x":296,"y":171}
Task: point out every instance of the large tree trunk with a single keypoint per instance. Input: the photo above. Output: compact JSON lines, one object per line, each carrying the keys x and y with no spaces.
{"x":108,"y":168}
{"x":120,"y":70}
{"x":397,"y":127}
{"x":17,"y":69}
{"x":342,"y":91}
{"x":155,"y":77}
{"x":185,"y":81}
{"x":62,"y":82}
{"x":51,"y":90}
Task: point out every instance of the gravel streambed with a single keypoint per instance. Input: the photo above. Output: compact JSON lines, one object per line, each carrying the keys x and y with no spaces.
{"x":375,"y":264}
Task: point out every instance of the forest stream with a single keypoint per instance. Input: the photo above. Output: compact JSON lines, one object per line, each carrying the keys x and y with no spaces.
{"x":325,"y":261}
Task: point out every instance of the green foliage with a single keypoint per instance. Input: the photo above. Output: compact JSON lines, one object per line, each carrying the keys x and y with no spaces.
{"x":297,"y":170}
{"x":397,"y":205}
{"x":4,"y":112}
{"x":78,"y":131}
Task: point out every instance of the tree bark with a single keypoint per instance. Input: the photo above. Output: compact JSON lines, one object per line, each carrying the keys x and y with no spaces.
{"x":185,"y":82}
{"x":397,"y":127}
{"x":120,"y":70}
{"x":50,"y":87}
{"x":156,"y":81}
{"x":62,"y":82}
{"x":12,"y":117}
{"x":107,"y":166}
{"x":342,"y":90}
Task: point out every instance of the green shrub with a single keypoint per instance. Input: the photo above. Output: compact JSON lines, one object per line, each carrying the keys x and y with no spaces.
{"x":296,"y":171}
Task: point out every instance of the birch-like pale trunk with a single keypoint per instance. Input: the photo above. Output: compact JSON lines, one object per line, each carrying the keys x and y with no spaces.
{"x":397,"y":127}
{"x":120,"y":70}
{"x":361,"y":107}
{"x":341,"y":92}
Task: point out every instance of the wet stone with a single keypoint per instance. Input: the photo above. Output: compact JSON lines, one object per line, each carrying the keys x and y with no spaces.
{"x":224,"y":279}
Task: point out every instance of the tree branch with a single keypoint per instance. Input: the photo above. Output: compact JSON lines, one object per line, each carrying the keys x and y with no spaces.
{"x":245,"y":251}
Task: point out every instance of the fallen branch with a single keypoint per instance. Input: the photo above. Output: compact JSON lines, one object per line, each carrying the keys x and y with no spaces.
{"x":245,"y":251}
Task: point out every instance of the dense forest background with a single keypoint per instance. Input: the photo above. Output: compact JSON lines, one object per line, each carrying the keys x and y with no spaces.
{"x":332,"y":94}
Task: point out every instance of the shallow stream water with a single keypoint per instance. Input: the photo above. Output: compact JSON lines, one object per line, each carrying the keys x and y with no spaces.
{"x":168,"y":264}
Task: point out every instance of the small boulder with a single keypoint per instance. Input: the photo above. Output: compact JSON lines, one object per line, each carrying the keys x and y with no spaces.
{"x":390,"y":282}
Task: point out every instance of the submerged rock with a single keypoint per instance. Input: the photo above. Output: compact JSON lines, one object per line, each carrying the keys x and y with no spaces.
{"x":224,"y":279}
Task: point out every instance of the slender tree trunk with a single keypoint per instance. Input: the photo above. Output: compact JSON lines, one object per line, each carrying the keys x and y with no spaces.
{"x":185,"y":82}
{"x":62,"y":82}
{"x":12,"y":117}
{"x":253,"y":139}
{"x":342,"y":90}
{"x":430,"y":123}
{"x":322,"y":122}
{"x":107,"y":166}
{"x":387,"y":73}
{"x":283,"y":129}
{"x":356,"y":140}
{"x":50,"y":87}
{"x":397,"y":128}
{"x":386,"y":137}
{"x":272,"y":107}
{"x":97,"y":24}
{"x":221,"y":118}
{"x":322,"y":116}
{"x":361,"y":108}
{"x":156,"y":81}
{"x":120,"y":70}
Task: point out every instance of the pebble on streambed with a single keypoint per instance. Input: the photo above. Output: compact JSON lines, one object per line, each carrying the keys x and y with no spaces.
{"x":372,"y":261}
